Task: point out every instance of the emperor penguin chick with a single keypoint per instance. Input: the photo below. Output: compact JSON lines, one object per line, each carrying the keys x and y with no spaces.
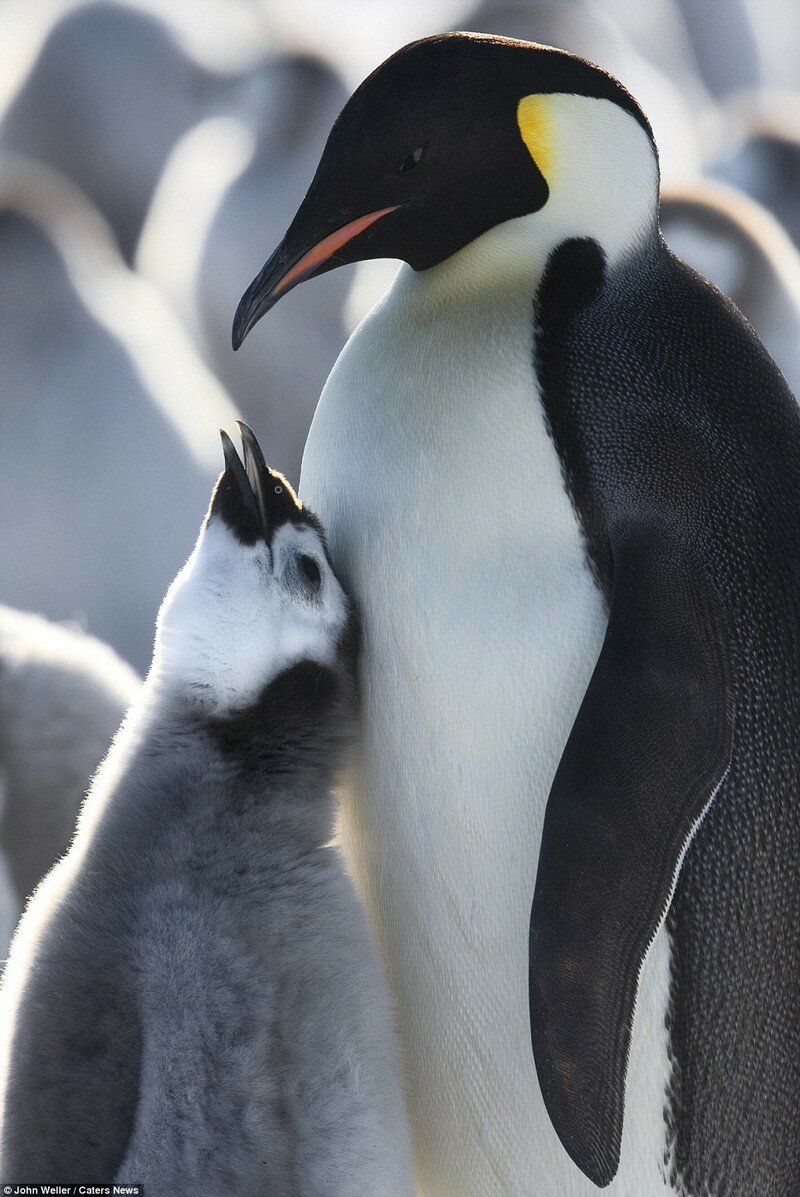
{"x":193,"y":1002}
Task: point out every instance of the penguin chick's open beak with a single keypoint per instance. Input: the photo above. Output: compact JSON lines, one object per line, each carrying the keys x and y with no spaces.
{"x":286,"y":268}
{"x":252,"y":499}
{"x":257,"y":473}
{"x":236,"y":499}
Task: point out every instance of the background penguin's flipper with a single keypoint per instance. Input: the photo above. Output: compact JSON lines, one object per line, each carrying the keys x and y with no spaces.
{"x":649,"y":748}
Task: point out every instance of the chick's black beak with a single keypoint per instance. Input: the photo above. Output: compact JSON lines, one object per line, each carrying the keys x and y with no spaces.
{"x":276,"y":499}
{"x":257,"y":474}
{"x":288,"y":266}
{"x":235,"y":499}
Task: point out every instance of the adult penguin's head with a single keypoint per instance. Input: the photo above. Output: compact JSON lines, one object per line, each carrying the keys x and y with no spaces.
{"x":452,"y":136}
{"x":449,"y":138}
{"x":445,"y":146}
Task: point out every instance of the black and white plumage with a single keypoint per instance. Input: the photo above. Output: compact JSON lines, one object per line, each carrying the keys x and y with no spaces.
{"x":580,"y":682}
{"x":62,"y":696}
{"x":193,"y":1002}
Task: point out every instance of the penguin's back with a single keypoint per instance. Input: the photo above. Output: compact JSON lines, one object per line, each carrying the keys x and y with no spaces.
{"x":684,"y":420}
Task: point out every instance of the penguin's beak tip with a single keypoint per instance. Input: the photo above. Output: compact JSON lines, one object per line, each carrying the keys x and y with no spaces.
{"x":252,"y":307}
{"x":262,"y":294}
{"x":227,"y":446}
{"x":288,"y":266}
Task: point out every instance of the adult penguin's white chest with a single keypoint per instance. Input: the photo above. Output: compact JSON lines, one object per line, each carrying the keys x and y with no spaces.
{"x":430,"y":463}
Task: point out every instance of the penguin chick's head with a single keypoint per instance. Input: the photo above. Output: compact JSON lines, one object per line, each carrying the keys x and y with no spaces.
{"x":257,"y":596}
{"x":452,"y":136}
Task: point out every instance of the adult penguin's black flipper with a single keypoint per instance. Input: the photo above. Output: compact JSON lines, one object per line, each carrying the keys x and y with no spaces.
{"x":648,"y":751}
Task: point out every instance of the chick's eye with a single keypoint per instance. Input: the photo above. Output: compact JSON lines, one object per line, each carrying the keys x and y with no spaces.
{"x":310,"y":570}
{"x":413,"y":158}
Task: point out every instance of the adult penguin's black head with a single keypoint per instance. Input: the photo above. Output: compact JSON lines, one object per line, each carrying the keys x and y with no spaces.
{"x":450,"y":137}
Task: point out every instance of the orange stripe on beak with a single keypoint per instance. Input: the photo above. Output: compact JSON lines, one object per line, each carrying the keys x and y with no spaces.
{"x":328,"y":246}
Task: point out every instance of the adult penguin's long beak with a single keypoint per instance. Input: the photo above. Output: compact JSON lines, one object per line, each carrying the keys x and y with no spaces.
{"x":287,"y":267}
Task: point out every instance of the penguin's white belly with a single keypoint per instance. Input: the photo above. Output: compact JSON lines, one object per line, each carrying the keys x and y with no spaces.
{"x":431,"y":466}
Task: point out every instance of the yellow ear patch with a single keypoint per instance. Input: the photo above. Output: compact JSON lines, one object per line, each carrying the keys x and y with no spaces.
{"x":535,"y":120}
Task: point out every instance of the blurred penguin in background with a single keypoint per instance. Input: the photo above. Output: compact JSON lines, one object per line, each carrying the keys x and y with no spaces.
{"x":740,"y":247}
{"x":724,"y":44}
{"x":659,"y":31}
{"x":110,"y":90}
{"x":62,"y":696}
{"x":160,"y":132}
{"x":760,"y":154}
{"x":228,"y":180}
{"x":775,"y":25}
{"x":106,"y":414}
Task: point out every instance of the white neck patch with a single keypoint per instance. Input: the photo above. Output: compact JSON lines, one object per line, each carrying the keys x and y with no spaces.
{"x":232,"y":620}
{"x":602,"y":172}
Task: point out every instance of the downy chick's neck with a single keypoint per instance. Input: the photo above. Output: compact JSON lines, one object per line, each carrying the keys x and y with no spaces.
{"x":267,"y":769}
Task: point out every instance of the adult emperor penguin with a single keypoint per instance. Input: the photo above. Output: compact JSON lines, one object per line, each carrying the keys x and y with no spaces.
{"x":581,"y":668}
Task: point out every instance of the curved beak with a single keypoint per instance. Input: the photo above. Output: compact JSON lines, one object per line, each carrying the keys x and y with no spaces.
{"x":255,"y":469}
{"x":236,"y":498}
{"x":252,"y":499}
{"x":285,"y":269}
{"x":276,"y":499}
{"x":247,"y":487}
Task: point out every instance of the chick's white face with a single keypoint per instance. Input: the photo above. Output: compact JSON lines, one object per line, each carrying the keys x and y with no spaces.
{"x":239,"y":615}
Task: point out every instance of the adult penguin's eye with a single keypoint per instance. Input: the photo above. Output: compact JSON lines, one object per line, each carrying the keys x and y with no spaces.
{"x":413,"y":158}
